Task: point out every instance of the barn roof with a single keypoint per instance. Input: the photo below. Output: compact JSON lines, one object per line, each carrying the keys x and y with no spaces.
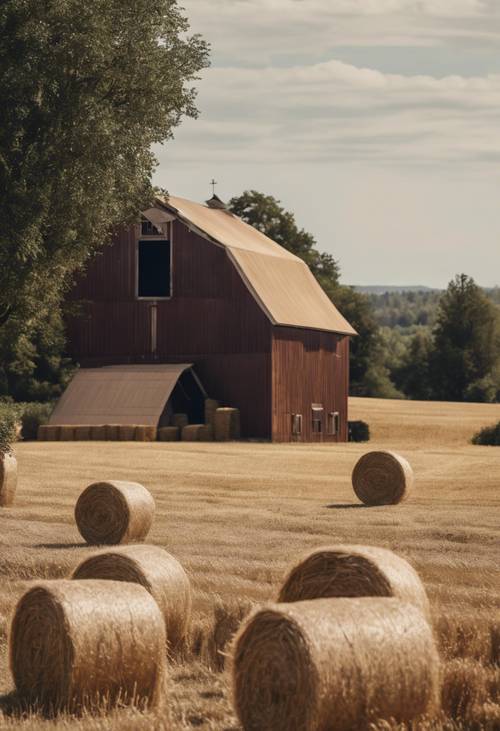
{"x":127,"y":394}
{"x":281,"y":282}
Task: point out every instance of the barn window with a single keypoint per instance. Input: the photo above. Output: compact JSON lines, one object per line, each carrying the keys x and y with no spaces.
{"x":154,"y":267}
{"x":317,"y":418}
{"x":333,"y":423}
{"x":149,"y":229}
{"x":296,"y":424}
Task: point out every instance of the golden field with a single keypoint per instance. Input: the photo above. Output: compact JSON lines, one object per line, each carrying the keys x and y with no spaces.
{"x":236,"y":515}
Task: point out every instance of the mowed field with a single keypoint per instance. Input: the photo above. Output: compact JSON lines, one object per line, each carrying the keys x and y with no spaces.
{"x":236,"y":515}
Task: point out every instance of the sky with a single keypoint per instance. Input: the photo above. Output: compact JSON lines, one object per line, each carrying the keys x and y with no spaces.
{"x":377,"y":122}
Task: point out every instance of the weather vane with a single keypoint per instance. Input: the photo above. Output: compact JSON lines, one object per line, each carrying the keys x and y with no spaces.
{"x":213,"y":184}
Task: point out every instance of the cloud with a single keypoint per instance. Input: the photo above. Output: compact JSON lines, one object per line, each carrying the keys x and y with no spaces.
{"x":337,"y":111}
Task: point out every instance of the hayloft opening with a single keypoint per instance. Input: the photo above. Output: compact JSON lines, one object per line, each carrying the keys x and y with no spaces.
{"x":154,"y":262}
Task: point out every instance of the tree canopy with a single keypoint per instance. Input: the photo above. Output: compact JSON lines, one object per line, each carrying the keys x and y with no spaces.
{"x":85,"y":90}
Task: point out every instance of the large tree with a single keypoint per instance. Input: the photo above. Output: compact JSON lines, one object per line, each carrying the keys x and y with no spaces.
{"x":267,"y":214}
{"x":86,"y":88}
{"x":465,"y":358}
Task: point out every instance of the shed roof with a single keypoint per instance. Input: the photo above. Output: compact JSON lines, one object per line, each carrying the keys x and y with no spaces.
{"x":281,"y":282}
{"x":129,"y":394}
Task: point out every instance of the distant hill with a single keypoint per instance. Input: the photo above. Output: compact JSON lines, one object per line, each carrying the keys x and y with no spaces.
{"x":383,"y":288}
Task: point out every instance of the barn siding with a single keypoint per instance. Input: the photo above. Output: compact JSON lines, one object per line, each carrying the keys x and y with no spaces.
{"x":308,"y":366}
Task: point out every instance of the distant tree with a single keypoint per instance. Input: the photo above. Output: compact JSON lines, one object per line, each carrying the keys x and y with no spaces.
{"x":412,"y":375}
{"x":466,"y":352}
{"x":86,"y":88}
{"x":267,"y":215}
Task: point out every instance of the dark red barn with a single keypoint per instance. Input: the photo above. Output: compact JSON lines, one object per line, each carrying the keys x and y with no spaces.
{"x":194,"y":285}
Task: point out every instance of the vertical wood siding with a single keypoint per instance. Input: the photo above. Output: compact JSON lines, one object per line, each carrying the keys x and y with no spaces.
{"x":308,"y":366}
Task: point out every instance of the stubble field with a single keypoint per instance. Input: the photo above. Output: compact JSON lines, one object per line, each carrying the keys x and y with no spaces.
{"x":236,"y":515}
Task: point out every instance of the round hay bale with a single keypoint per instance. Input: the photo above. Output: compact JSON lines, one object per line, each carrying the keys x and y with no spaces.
{"x":66,"y":433}
{"x":98,"y":433}
{"x":82,"y":433}
{"x":108,"y":513}
{"x":354,"y":571}
{"x":112,"y":432}
{"x":382,"y":478}
{"x":126,"y":433}
{"x":180,"y":420}
{"x":80,"y":644}
{"x":169,"y":434}
{"x":192,"y":432}
{"x":206,"y":433}
{"x":145,"y":433}
{"x":227,"y":424}
{"x":334,"y":665}
{"x":8,"y":479}
{"x":154,"y":569}
{"x":211,"y":406}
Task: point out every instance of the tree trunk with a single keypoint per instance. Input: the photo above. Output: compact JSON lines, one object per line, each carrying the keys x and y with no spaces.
{"x":8,"y":479}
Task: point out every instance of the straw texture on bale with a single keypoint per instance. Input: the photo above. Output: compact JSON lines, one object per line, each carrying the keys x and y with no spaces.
{"x":211,"y":406}
{"x":354,"y":571}
{"x":382,"y":478}
{"x":112,"y":432}
{"x":145,"y":433}
{"x":227,"y":424}
{"x":197,"y":433}
{"x":154,"y":569}
{"x":169,"y":434}
{"x":98,"y":433}
{"x":8,"y":479}
{"x":66,"y":433}
{"x":108,"y":513}
{"x":180,"y":420}
{"x":82,"y":433}
{"x":334,"y":665}
{"x":79,"y":644}
{"x":48,"y":433}
{"x":126,"y":433}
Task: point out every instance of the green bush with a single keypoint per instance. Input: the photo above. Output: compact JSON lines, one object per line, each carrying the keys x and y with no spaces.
{"x":359,"y":431}
{"x":488,"y":436}
{"x":9,"y":417}
{"x":33,"y":416}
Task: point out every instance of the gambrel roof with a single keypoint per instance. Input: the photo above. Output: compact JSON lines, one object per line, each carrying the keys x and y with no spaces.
{"x":281,"y":282}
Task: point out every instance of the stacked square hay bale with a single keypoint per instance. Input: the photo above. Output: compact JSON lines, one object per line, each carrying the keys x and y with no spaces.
{"x":227,"y":424}
{"x":349,"y":643}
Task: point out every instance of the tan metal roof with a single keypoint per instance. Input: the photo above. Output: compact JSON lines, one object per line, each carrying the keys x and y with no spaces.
{"x":131,"y":394}
{"x":280,"y":281}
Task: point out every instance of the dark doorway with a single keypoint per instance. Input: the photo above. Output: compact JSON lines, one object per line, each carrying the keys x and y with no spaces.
{"x":154,"y":269}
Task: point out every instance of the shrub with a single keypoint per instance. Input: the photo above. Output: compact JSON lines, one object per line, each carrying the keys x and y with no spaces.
{"x":359,"y":431}
{"x":489,"y":436}
{"x":33,"y":416}
{"x":8,"y":426}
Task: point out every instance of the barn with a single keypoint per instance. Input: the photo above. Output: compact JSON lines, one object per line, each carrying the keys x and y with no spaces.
{"x":192,"y":302}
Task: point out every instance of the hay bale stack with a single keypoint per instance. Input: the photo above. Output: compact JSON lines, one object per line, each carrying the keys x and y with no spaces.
{"x":211,"y":406}
{"x":66,"y":433}
{"x":112,"y":432}
{"x":227,"y":424}
{"x":48,"y":433}
{"x":195,"y":433}
{"x":81,"y":644}
{"x":126,"y":433}
{"x":334,"y":665}
{"x":98,"y":433}
{"x":145,"y":433}
{"x":206,"y":433}
{"x":382,"y":478}
{"x":158,"y":572}
{"x":82,"y":433}
{"x":8,"y":479}
{"x":169,"y":434}
{"x":108,"y":513}
{"x":180,"y":420}
{"x":354,"y":571}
